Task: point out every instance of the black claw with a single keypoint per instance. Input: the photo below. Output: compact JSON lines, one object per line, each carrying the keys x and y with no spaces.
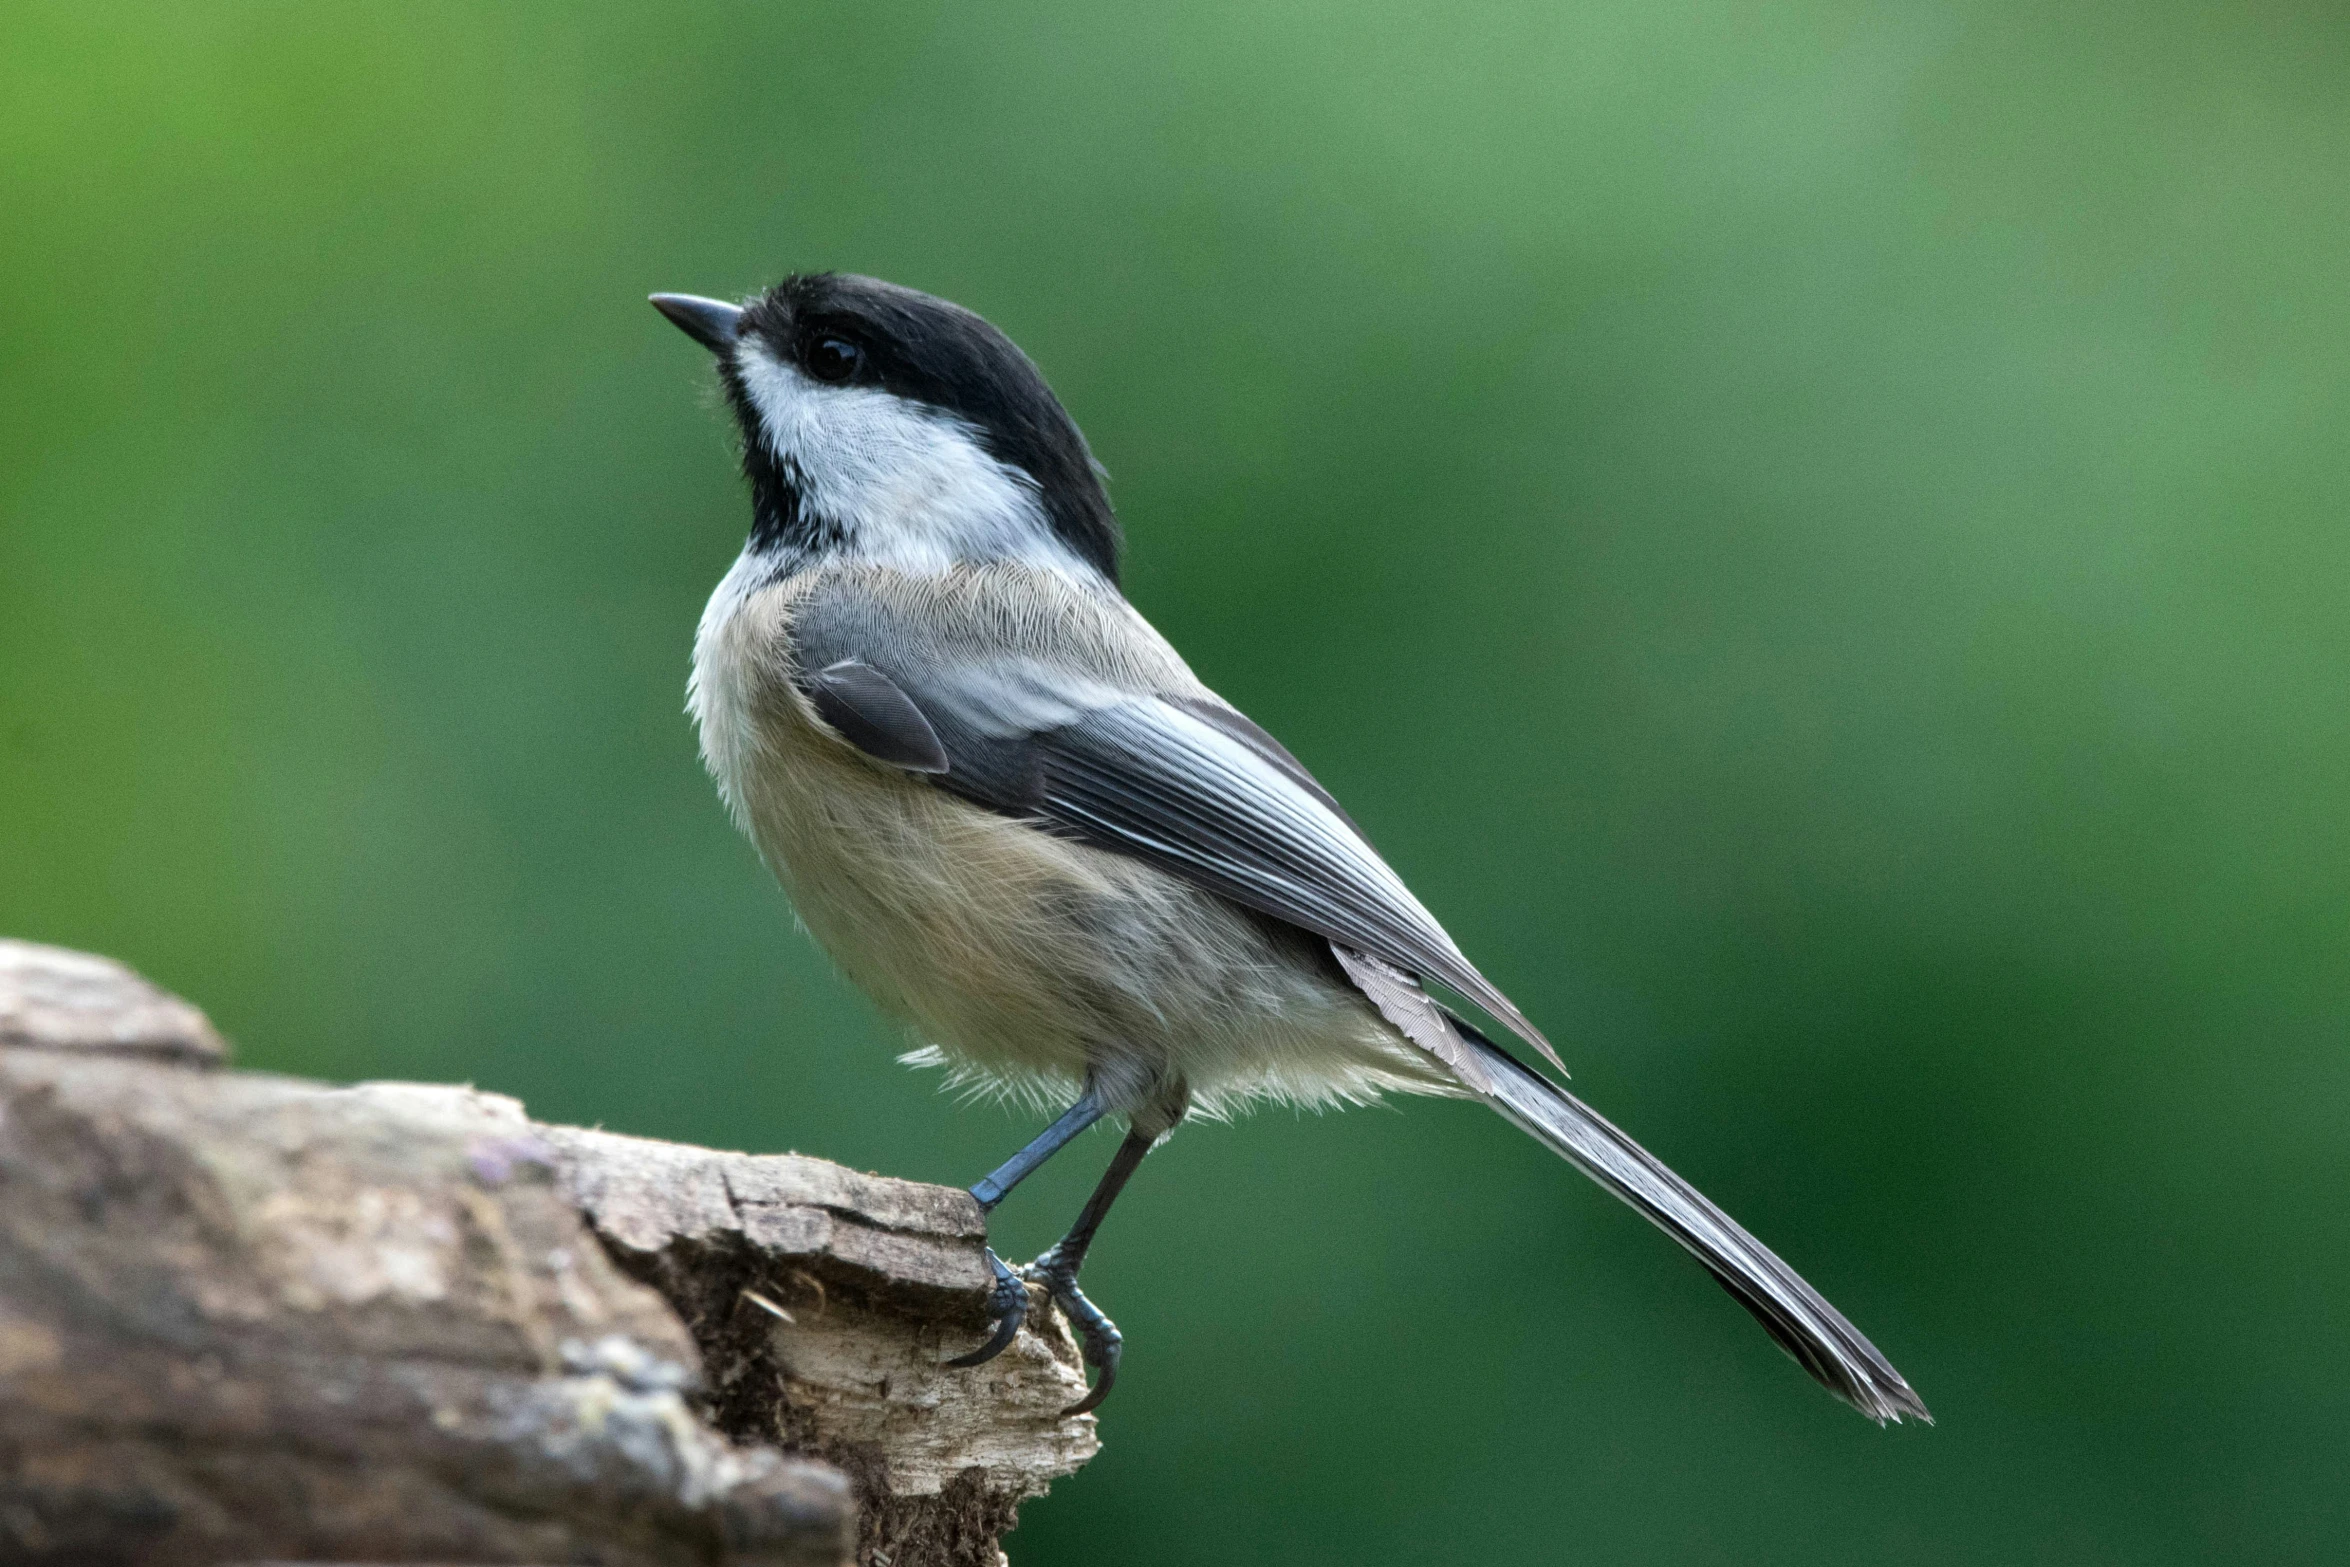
{"x":1098,"y":1337}
{"x":1103,"y":1346}
{"x":1007,"y":1302}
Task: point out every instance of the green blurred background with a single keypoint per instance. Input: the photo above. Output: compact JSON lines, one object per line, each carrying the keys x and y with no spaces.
{"x":1814,"y":534}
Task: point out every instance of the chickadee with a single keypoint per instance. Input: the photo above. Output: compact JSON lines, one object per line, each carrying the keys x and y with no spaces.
{"x":1012,"y":814}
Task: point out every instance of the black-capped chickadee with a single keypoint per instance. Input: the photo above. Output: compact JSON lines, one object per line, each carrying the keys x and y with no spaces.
{"x":1012,"y":814}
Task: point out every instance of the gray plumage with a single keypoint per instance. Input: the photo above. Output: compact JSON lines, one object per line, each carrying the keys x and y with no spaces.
{"x":1791,"y":1311}
{"x":1012,"y":814}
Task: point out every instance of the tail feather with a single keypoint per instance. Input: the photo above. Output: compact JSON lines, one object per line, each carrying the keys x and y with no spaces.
{"x":1791,"y":1311}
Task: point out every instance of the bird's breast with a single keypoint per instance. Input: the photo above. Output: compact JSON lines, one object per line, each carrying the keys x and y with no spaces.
{"x":1022,"y":953}
{"x":961,"y":921}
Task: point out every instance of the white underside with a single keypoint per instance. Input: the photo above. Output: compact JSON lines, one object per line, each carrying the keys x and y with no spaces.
{"x":1025,"y":963}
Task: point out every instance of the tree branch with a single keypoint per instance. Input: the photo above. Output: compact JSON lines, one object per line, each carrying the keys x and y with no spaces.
{"x":248,"y":1317}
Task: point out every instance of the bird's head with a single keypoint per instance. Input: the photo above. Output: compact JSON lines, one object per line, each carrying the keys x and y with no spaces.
{"x":882,"y":423}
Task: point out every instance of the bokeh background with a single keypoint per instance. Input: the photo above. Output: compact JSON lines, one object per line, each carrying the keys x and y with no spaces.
{"x":1815,"y":535}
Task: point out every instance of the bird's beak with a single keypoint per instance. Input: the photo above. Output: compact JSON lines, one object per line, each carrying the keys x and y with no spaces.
{"x":709,"y":322}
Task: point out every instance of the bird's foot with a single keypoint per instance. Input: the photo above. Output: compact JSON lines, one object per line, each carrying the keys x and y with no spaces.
{"x":1097,"y":1336}
{"x":1007,"y":1303}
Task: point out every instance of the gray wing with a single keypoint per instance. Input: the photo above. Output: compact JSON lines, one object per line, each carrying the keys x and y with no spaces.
{"x":872,"y":714}
{"x":1181,"y":780}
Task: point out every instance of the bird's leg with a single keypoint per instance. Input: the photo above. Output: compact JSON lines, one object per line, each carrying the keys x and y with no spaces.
{"x":1057,"y":1269}
{"x":1007,"y":1295}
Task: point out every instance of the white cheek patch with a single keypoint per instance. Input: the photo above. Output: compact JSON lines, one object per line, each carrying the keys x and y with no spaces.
{"x":907,"y":485}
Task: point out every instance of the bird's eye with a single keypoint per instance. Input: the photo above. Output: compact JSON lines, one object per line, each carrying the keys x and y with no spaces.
{"x":833,"y":359}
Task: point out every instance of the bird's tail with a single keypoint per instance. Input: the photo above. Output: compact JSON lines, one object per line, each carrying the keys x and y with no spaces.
{"x":1793,"y":1313}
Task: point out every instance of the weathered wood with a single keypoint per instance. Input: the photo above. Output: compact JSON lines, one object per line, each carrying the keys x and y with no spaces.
{"x":57,"y":999}
{"x":246,"y":1317}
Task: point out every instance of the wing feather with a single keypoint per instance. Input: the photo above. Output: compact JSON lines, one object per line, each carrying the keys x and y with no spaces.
{"x":1042,"y":722}
{"x":1045,"y":726}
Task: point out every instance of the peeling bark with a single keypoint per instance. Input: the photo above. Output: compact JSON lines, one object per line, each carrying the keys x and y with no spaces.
{"x":246,"y":1317}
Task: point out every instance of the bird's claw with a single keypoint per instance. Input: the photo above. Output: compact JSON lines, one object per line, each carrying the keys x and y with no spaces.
{"x":1007,"y":1303}
{"x":1098,"y":1337}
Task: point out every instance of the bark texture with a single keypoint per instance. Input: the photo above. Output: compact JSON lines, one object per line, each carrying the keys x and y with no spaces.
{"x":254,"y":1318}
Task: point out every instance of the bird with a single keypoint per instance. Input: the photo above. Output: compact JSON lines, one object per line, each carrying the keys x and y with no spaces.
{"x":1009,"y":811}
